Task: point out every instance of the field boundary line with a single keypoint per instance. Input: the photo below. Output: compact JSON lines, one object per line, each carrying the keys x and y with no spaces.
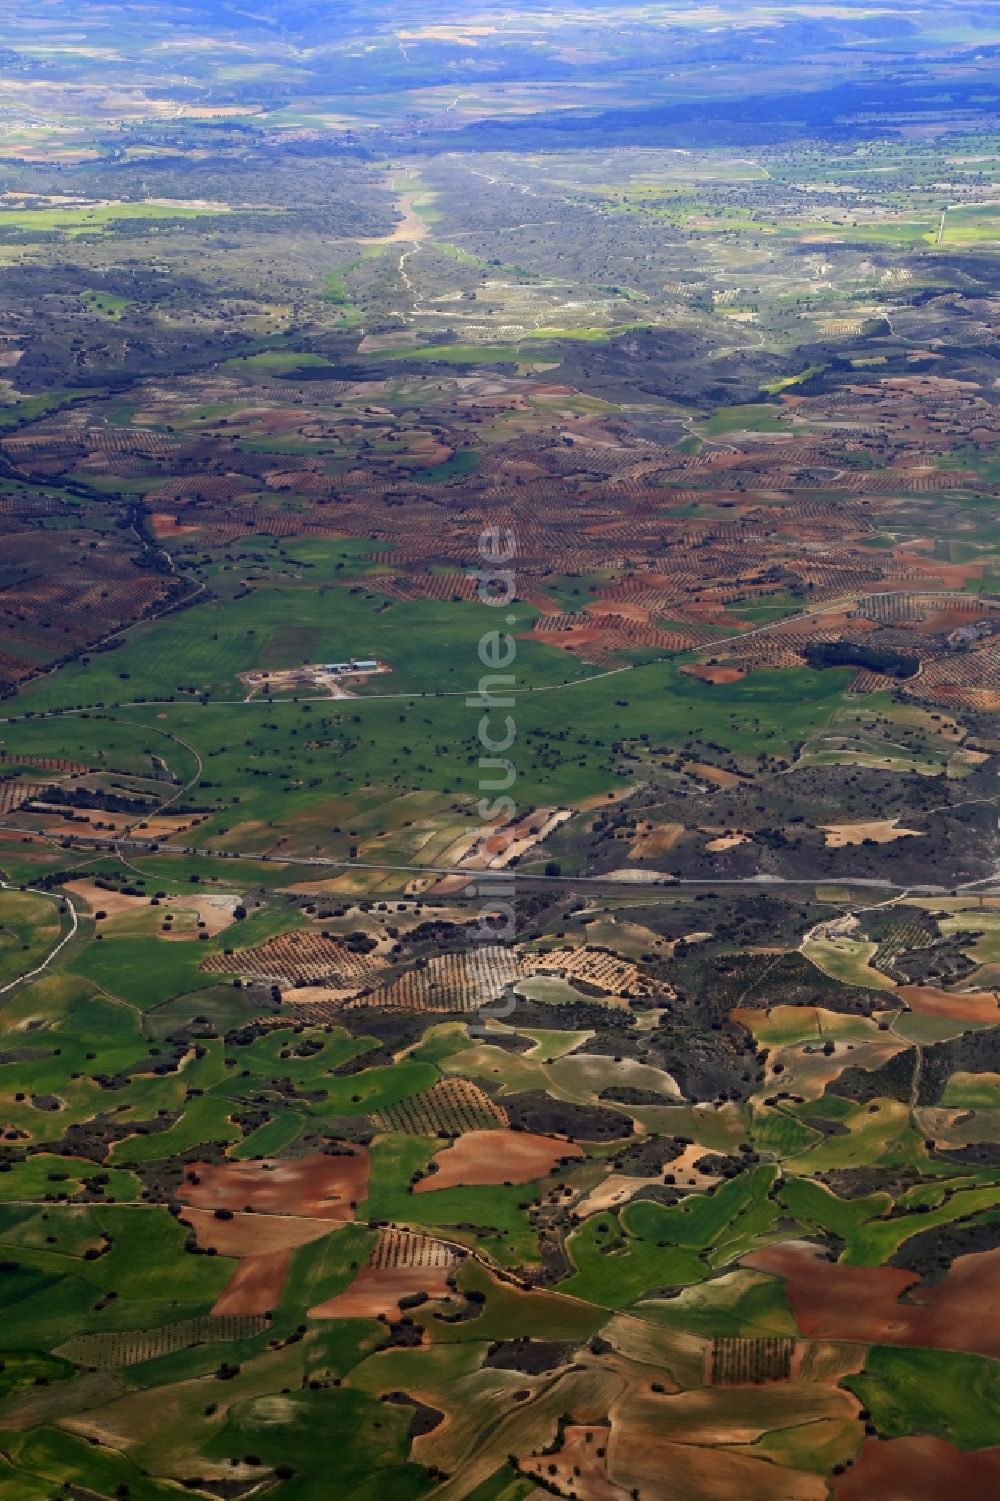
{"x":40,"y":969}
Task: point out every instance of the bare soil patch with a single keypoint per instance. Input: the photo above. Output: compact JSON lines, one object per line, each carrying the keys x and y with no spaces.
{"x":496,"y":1157}
{"x":401,"y":1263}
{"x":252,"y":1235}
{"x":376,"y":1291}
{"x":834,"y":1301}
{"x":639,"y":1456}
{"x":918,"y":1469}
{"x":111,"y":902}
{"x":581,"y":1466}
{"x":651,"y":843}
{"x":970,"y":1005}
{"x":317,"y":1187}
{"x":165,"y":524}
{"x":881,"y":831}
{"x":715,"y":774}
{"x":256,"y":1284}
{"x":717,"y":674}
{"x":725,"y":842}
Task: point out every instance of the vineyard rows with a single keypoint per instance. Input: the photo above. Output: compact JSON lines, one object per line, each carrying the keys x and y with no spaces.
{"x":402,"y":1248}
{"x":41,"y":763}
{"x":127,"y":1347}
{"x":596,"y":967}
{"x":294,"y":957}
{"x":14,"y":794}
{"x":450,"y":982}
{"x":439,"y":586}
{"x":901,"y":938}
{"x":449,"y":1108}
{"x":738,"y":1362}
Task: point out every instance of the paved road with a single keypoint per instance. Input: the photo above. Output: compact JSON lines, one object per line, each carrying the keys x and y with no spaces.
{"x":666,"y":882}
{"x":40,"y":969}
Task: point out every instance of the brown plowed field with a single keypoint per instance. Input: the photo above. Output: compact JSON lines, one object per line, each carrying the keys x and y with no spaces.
{"x":711,"y":674}
{"x":373,"y":1292}
{"x":317,"y":1187}
{"x":972,"y":1006}
{"x":833,"y":1301}
{"x":496,"y":1157}
{"x":252,"y":1235}
{"x":294,"y":1202}
{"x":580,"y":1465}
{"x":401,"y":1263}
{"x":918,"y":1469}
{"x":255,"y":1286}
{"x":638,"y":1457}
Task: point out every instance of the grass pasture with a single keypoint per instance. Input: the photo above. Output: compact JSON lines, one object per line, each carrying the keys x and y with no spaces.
{"x":29,"y":928}
{"x":954,"y":1396}
{"x":98,"y":218}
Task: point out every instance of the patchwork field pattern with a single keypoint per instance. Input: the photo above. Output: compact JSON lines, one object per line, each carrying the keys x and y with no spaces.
{"x":500,"y":661}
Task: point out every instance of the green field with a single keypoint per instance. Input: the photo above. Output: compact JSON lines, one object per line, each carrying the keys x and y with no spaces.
{"x":471,"y":1077}
{"x":950,"y":1395}
{"x":98,"y":218}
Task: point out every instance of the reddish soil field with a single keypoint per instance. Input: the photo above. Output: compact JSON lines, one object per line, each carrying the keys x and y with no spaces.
{"x":627,"y":611}
{"x":378,"y":1290}
{"x":662,"y":1469}
{"x":581,"y":1465}
{"x":952,"y":575}
{"x":918,"y":1469}
{"x":496,"y":1157}
{"x":318,"y":1187}
{"x":253,"y":1235}
{"x":263,"y":1244}
{"x":831,"y":1301}
{"x":255,"y":1286}
{"x":945,"y":620}
{"x":973,"y":1006}
{"x":842,"y":621}
{"x":165,"y":524}
{"x":714,"y":674}
{"x":577,"y":636}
